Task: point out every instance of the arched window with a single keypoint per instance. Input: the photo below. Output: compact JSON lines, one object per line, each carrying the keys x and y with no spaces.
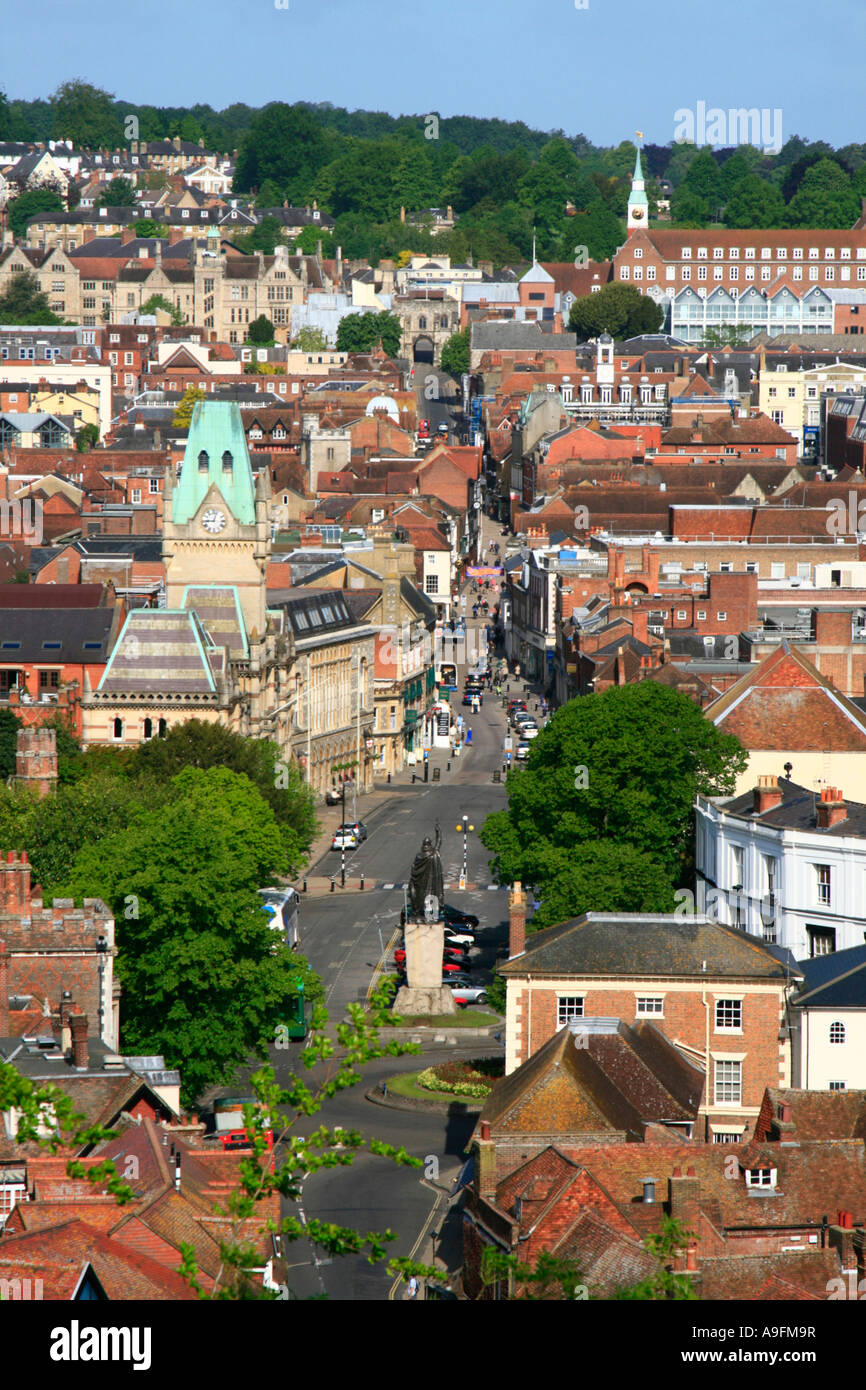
{"x":118,"y":728}
{"x":422,"y":323}
{"x":163,"y":728}
{"x":228,"y":462}
{"x":148,"y":728}
{"x":837,"y":1032}
{"x":203,"y":461}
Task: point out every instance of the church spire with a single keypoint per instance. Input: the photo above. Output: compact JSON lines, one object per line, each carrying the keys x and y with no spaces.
{"x":638,"y":203}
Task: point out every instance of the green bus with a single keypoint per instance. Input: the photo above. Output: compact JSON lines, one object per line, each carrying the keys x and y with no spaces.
{"x":296,"y":1020}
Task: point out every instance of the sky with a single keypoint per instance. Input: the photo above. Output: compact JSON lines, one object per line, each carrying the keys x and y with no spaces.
{"x":605,"y":69}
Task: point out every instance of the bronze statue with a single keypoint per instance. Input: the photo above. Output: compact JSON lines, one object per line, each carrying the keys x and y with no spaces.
{"x":425,"y":881}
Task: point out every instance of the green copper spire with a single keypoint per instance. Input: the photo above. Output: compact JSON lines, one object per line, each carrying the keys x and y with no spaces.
{"x":216,"y":455}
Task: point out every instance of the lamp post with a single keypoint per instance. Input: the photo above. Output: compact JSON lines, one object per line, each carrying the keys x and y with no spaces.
{"x":465,"y":827}
{"x":343,"y":768}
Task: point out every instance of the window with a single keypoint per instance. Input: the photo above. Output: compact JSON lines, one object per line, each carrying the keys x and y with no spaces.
{"x":721,"y":616}
{"x":117,"y":728}
{"x":822,"y":941}
{"x":227,"y":461}
{"x":49,"y":680}
{"x":624,"y":272}
{"x":203,"y":462}
{"x":682,"y":615}
{"x":650,"y":1005}
{"x":687,"y":272}
{"x":650,"y":272}
{"x":837,"y":1086}
{"x":431,"y":584}
{"x":837,"y":1032}
{"x":136,"y":494}
{"x":568,"y":1008}
{"x":721,"y":1137}
{"x":153,"y":484}
{"x":728,"y":1083}
{"x":734,"y":272}
{"x":761,"y":1177}
{"x":147,"y":729}
{"x":729,"y":1015}
{"x":701,"y":615}
{"x":751,"y":567}
{"x":823,"y":884}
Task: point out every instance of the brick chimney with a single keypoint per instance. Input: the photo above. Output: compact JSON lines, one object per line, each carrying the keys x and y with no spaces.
{"x":841,"y":1239}
{"x":485,"y":1169}
{"x":4,"y":990}
{"x":66,"y":1007}
{"x":684,"y":1193}
{"x":831,"y":808}
{"x":127,"y":234}
{"x":767,"y":795}
{"x":80,"y":1050}
{"x":516,"y":921}
{"x":175,"y":234}
{"x":15,"y":885}
{"x":36,"y":759}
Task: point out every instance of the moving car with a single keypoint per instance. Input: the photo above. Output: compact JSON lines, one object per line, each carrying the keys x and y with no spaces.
{"x":345,"y":839}
{"x":423,"y":429}
{"x":357,"y":828}
{"x":442,"y":429}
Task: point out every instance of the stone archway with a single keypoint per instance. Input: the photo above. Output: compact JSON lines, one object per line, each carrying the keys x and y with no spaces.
{"x":423,"y":349}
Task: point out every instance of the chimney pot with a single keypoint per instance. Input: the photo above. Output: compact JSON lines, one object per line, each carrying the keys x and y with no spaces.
{"x":485,"y":1130}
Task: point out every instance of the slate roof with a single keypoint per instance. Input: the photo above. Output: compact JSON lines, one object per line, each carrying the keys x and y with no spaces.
{"x":632,"y":945}
{"x":796,"y":812}
{"x":159,"y":649}
{"x":219,"y":610}
{"x":836,"y":981}
{"x":74,"y":634}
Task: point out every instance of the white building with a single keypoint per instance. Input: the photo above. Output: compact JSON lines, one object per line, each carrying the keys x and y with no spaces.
{"x":785,"y":864}
{"x":830,"y":1010}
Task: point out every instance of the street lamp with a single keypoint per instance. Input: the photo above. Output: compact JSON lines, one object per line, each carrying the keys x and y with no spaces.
{"x":465,"y":827}
{"x":343,"y":768}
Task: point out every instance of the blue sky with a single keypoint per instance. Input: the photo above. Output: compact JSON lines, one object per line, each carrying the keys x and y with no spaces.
{"x":605,"y":70}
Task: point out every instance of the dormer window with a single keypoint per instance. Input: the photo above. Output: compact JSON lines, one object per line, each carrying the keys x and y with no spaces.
{"x":203,"y":462}
{"x":764,"y":1178}
{"x":228,"y":462}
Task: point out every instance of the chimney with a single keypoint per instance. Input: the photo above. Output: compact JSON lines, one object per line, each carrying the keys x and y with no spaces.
{"x":485,"y":1167}
{"x":831,"y":808}
{"x":684,"y":1194}
{"x":516,"y":921}
{"x":4,"y":990}
{"x":15,"y":885}
{"x":841,"y":1239}
{"x":691,"y":1256}
{"x":127,"y":234}
{"x":175,"y":234}
{"x":65,"y":1015}
{"x":80,"y":1052}
{"x":767,"y":795}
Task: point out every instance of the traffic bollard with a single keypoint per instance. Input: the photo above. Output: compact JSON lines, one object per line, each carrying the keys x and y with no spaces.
{"x":362,"y":882}
{"x":305,"y":885}
{"x":332,"y":885}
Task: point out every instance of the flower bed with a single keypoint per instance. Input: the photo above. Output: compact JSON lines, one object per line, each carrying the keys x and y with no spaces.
{"x":476,"y":1078}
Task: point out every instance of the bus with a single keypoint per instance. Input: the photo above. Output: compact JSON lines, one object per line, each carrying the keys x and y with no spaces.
{"x":448,"y":676}
{"x":296,"y":1020}
{"x":282,"y":906}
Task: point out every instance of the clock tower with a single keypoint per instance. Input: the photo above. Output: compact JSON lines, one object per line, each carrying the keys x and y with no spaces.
{"x":216,"y":530}
{"x":638,"y":202}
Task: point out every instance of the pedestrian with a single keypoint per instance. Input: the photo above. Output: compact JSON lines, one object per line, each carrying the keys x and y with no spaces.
{"x":413,"y":1287}
{"x":469,"y":734}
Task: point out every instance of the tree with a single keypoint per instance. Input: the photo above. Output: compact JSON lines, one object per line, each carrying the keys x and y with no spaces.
{"x":86,"y":438}
{"x":825,"y":198}
{"x":730,"y":335}
{"x":146,"y":227}
{"x":22,"y":301}
{"x":664,"y":1285}
{"x":363,"y":333}
{"x":688,"y":208}
{"x":186,"y":405}
{"x":310,"y":340}
{"x":29,"y":204}
{"x":270,"y":195}
{"x":117,"y":193}
{"x":704,"y":179}
{"x":598,"y":229}
{"x":159,"y":301}
{"x":9,"y":726}
{"x":261,"y":331}
{"x":84,"y":114}
{"x":618,"y":309}
{"x":198,"y":744}
{"x":307,"y":243}
{"x":610,"y":788}
{"x":455,"y":353}
{"x":182,"y":881}
{"x":285,"y":144}
{"x":551,"y":1277}
{"x":754,"y":203}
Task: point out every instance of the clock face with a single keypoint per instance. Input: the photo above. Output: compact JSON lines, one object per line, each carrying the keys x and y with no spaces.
{"x":637,"y":212}
{"x":213,"y":520}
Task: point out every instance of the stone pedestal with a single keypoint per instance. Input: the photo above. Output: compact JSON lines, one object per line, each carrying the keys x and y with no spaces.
{"x":424,"y":992}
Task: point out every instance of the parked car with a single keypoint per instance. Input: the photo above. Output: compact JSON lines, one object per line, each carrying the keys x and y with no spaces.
{"x":357,"y":827}
{"x":514,"y":704}
{"x":452,"y":961}
{"x":457,"y":978}
{"x":522,"y":749}
{"x":468,"y":994}
{"x":423,"y":429}
{"x":456,"y":917}
{"x":345,"y":839}
{"x":442,"y":429}
{"x":459,"y":938}
{"x":529,"y":731}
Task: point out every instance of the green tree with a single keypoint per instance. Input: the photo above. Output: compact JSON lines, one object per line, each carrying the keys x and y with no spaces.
{"x":146,"y":227}
{"x":598,"y":229}
{"x":704,"y":179}
{"x":22,"y":301}
{"x":86,"y":438}
{"x":731,"y":335}
{"x":270,"y":195}
{"x":825,"y":198}
{"x":202,"y":745}
{"x":117,"y":193}
{"x":261,"y":331}
{"x":267,"y":236}
{"x":551,"y":1277}
{"x":9,"y":726}
{"x":455,"y":353}
{"x":285,"y":144}
{"x":754,"y":203}
{"x":181,"y":880}
{"x":159,"y":301}
{"x":688,"y":208}
{"x":29,"y":204}
{"x":186,"y":405}
{"x":310,"y":340}
{"x":619,"y":770}
{"x":309,"y":239}
{"x":363,"y":333}
{"x":664,"y":1285}
{"x":618,"y":309}
{"x":85,"y":114}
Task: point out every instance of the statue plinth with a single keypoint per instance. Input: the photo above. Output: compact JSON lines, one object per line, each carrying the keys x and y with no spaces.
{"x":424,"y":992}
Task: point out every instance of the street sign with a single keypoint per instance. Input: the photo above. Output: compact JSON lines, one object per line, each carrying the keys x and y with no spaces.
{"x":508,"y":745}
